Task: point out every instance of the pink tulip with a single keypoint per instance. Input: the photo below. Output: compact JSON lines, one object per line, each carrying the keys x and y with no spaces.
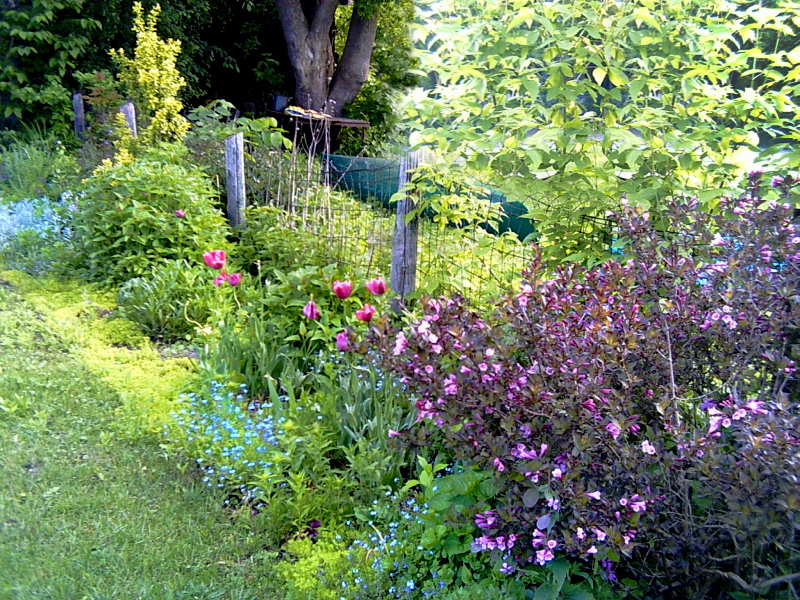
{"x":219,"y":280}
{"x":342,"y":341}
{"x":366,"y":313}
{"x":342,"y":289}
{"x":376,"y":286}
{"x":235,"y":278}
{"x":214,"y":260}
{"x":180,"y":213}
{"x":311,"y":311}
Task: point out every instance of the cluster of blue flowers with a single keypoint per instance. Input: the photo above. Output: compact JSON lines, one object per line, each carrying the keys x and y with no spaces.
{"x":230,"y":438}
{"x":389,"y":547}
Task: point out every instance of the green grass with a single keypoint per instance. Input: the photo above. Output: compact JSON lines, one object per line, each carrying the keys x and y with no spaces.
{"x":88,"y":511}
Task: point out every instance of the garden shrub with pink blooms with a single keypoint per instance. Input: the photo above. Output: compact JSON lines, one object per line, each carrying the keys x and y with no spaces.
{"x":642,"y":413}
{"x":134,"y":216}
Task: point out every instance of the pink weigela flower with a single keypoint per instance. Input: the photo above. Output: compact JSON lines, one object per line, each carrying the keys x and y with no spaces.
{"x":613,"y":430}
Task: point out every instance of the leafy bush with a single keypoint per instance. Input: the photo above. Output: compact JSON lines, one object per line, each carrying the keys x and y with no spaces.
{"x":127,"y":221}
{"x":266,"y":245}
{"x":569,"y":104}
{"x":153,"y":80}
{"x":634,"y":405}
{"x":173,"y":301}
{"x":42,"y":41}
{"x":404,"y":546}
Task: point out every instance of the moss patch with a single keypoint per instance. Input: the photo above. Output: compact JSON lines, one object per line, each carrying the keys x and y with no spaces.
{"x":112,"y":348}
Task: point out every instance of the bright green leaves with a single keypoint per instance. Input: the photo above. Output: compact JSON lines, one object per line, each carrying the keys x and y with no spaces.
{"x":599,"y":99}
{"x":152,"y":78}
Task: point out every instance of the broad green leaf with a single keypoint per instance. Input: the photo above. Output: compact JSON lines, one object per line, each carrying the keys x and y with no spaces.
{"x":546,"y":591}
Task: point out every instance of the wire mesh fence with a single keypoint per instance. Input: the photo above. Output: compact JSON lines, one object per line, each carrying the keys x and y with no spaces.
{"x":349,"y":205}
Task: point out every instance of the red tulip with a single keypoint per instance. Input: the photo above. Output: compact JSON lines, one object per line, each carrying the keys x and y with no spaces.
{"x":219,"y":280}
{"x":342,"y":289}
{"x":215,"y":260}
{"x":376,"y":286}
{"x":366,"y":313}
{"x":180,"y":213}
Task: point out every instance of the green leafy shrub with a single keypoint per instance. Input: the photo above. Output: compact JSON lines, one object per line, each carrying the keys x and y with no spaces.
{"x":153,"y":80}
{"x":267,"y":245}
{"x":567,"y":105}
{"x":42,"y":41}
{"x":174,"y":300}
{"x":127,"y":222}
{"x":407,"y":545}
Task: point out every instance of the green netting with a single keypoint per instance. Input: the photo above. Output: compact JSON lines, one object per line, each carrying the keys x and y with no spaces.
{"x":379,"y":178}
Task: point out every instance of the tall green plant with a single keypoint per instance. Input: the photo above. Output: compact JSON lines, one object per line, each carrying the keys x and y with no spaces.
{"x":153,"y":80}
{"x":570,"y":105}
{"x":41,"y":41}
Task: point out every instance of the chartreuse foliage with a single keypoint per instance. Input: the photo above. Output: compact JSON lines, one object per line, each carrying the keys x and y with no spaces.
{"x":42,"y":40}
{"x":569,"y":105}
{"x":153,"y":80}
{"x":113,"y":349}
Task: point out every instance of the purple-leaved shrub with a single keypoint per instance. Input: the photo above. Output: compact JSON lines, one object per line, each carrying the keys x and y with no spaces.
{"x":643,"y":411}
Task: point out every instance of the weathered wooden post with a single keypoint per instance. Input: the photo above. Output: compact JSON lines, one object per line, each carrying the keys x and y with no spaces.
{"x":234,"y":175}
{"x":129,"y":112}
{"x":79,"y":121}
{"x":403,"y":277}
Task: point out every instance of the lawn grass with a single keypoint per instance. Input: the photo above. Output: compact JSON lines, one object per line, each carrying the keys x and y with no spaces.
{"x":88,"y":511}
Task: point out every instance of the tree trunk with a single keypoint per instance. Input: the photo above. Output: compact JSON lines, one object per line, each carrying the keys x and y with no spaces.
{"x":353,"y":68}
{"x":307,"y":26}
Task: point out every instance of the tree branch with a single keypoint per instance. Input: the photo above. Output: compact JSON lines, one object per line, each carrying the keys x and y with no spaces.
{"x":295,"y":27}
{"x":323,"y":19}
{"x":353,"y":69}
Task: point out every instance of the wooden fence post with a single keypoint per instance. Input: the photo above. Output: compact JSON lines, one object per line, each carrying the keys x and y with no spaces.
{"x":234,"y":175}
{"x":79,"y":121}
{"x":129,"y":112}
{"x":404,"y":243}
